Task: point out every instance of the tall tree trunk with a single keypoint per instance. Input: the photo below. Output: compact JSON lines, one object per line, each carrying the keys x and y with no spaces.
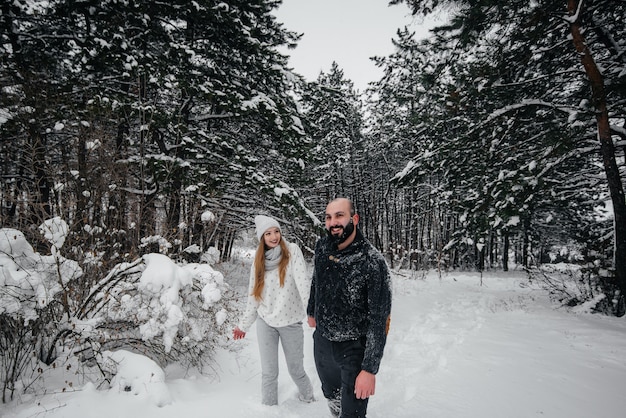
{"x":526,"y":241}
{"x":607,"y":148}
{"x":40,"y":208}
{"x":81,"y":183}
{"x":505,"y":251}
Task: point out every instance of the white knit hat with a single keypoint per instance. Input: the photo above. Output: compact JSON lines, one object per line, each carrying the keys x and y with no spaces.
{"x":263,"y":223}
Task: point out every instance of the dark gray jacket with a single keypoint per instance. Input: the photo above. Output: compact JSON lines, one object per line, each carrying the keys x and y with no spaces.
{"x":351,"y":296}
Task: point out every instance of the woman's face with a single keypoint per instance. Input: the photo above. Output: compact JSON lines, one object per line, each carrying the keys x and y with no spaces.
{"x":271,"y":237}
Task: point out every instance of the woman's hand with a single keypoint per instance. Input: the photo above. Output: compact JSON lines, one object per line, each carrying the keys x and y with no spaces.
{"x":238,"y":334}
{"x":311,"y":321}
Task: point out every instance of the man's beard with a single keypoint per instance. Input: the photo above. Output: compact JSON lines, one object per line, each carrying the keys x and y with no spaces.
{"x":345,"y":233}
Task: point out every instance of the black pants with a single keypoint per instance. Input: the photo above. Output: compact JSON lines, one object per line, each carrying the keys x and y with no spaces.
{"x":338,"y":364}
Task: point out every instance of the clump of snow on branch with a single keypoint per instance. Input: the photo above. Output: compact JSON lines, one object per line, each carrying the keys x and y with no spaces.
{"x":207,"y":217}
{"x":55,"y":231}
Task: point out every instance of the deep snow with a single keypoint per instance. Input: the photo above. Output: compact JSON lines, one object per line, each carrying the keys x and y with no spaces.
{"x":457,"y":348}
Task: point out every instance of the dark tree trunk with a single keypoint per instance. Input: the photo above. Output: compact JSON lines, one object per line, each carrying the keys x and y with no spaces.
{"x":40,"y":208}
{"x":607,"y":148}
{"x":505,"y":252}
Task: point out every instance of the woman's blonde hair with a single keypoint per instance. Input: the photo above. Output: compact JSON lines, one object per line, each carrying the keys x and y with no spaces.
{"x":259,"y":266}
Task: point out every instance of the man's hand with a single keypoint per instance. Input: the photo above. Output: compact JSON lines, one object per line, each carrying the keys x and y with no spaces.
{"x":311,"y":321}
{"x":365,"y":385}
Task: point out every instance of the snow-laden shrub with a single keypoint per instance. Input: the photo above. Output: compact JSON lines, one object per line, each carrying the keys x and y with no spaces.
{"x":29,"y":281}
{"x":169,"y":312}
{"x":582,"y":288}
{"x":30,"y":303}
{"x":175,"y":312}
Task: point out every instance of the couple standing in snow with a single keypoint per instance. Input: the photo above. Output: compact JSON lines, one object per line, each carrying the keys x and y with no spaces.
{"x":347,"y":301}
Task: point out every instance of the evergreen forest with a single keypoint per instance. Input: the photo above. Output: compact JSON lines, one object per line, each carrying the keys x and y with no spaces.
{"x":164,"y":127}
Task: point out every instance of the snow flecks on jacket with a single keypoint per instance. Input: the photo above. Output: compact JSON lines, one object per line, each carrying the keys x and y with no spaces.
{"x":351,"y":296}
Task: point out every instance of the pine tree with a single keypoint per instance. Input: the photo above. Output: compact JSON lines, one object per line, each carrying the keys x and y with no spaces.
{"x":162,"y":111}
{"x":530,"y":116}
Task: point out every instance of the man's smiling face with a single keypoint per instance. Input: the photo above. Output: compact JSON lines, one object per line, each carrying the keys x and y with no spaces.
{"x":339,"y":221}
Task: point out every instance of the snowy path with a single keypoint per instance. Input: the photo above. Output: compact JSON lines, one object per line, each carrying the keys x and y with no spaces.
{"x":498,"y":350}
{"x":456,"y":350}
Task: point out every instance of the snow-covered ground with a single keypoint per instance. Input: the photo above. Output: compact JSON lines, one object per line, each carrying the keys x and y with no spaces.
{"x":457,"y":349}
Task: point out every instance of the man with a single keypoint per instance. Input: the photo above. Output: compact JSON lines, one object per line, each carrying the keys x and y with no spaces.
{"x":349,"y":306}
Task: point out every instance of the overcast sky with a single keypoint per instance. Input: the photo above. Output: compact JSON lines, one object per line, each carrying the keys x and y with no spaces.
{"x":345,"y":31}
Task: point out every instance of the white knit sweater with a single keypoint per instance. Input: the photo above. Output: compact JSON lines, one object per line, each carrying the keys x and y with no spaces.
{"x":280,"y":306}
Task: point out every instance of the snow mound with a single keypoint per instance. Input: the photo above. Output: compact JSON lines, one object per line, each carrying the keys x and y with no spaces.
{"x":137,"y":375}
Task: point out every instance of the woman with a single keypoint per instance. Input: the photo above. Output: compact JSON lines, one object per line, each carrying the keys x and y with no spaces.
{"x":278,"y":292}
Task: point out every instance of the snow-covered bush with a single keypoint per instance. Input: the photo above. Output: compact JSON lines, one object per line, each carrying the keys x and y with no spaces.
{"x":30,"y":306}
{"x":581,"y":288}
{"x":172,"y":312}
{"x":29,"y":282}
{"x":169,"y":312}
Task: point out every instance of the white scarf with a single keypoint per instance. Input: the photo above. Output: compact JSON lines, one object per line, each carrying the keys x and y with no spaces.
{"x":272,"y":258}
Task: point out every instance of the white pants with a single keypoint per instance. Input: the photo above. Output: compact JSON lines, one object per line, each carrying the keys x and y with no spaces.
{"x":292,"y":340}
